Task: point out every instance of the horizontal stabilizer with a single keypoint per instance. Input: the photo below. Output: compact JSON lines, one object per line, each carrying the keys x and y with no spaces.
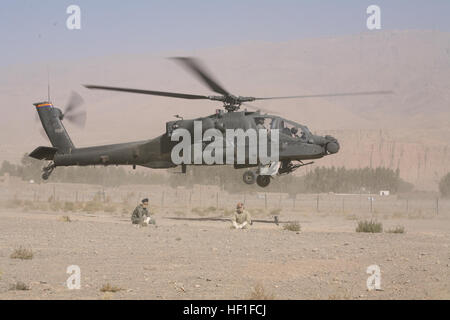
{"x":43,"y":153}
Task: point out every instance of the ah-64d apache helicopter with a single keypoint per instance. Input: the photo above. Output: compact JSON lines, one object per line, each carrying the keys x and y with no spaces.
{"x":296,"y":142}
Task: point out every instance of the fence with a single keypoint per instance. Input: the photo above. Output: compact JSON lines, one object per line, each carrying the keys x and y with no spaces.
{"x":211,"y":196}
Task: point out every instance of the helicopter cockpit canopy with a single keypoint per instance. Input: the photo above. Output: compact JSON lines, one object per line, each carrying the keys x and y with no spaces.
{"x":287,"y":127}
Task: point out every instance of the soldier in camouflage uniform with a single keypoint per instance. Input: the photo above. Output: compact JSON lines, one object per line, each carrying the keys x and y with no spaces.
{"x":241,"y":219}
{"x":141,"y":216}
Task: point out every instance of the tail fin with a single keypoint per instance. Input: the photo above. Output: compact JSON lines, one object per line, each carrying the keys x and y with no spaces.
{"x":51,"y":121}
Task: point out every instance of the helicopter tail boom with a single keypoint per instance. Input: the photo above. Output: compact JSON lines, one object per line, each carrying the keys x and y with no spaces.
{"x":56,"y":132}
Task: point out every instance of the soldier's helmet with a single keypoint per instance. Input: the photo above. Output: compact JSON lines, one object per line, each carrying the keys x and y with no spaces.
{"x":294,"y":130}
{"x":145,"y":200}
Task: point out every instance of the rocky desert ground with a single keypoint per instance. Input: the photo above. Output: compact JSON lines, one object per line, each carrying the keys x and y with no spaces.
{"x":188,"y":255}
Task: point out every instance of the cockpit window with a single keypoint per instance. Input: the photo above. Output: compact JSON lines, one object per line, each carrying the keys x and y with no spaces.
{"x":286,"y":127}
{"x":263,"y":123}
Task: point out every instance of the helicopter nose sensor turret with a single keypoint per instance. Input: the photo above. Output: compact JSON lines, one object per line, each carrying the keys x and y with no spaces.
{"x":331,"y":145}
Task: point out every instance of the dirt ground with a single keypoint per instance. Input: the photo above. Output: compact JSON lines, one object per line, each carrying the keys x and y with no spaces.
{"x":192,"y":259}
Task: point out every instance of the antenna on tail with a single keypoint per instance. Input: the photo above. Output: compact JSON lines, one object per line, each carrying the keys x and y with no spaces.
{"x":48,"y":84}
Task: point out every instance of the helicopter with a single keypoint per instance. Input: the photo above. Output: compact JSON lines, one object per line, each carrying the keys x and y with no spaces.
{"x":296,"y":144}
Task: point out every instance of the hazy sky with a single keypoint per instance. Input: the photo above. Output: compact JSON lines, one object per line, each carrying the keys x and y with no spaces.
{"x":36,"y":30}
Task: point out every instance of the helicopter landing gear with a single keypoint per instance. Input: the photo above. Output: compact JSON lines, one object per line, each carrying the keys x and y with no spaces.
{"x":48,"y":170}
{"x":249,"y":177}
{"x":263,"y":181}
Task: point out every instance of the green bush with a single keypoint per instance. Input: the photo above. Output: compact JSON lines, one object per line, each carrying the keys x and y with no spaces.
{"x":292,"y":226}
{"x":370,"y":226}
{"x":22,"y":253}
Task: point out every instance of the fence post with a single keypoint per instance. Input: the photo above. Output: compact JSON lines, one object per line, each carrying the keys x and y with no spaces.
{"x":371,"y":206}
{"x":265,"y":200}
{"x":190,"y":199}
{"x":437,"y":206}
{"x":317,"y":204}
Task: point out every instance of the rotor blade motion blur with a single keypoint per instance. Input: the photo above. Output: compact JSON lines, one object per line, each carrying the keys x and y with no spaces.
{"x":194,"y":67}
{"x":365,"y":93}
{"x":71,"y":112}
{"x":150,"y":92}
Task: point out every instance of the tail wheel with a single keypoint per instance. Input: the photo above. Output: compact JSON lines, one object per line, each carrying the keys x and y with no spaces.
{"x":263,"y":181}
{"x":249,"y":177}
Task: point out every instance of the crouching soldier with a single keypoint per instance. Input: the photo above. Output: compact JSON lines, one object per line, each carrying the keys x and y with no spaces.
{"x":241,"y":219}
{"x":141,"y":216}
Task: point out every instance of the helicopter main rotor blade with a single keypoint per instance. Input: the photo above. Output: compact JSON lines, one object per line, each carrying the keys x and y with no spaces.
{"x":259,"y":108}
{"x":150,"y":92}
{"x":330,"y":95}
{"x":194,"y":66}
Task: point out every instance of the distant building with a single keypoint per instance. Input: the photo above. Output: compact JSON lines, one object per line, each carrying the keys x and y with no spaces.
{"x":384,"y":192}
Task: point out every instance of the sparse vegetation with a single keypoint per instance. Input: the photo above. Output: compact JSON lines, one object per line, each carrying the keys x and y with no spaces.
{"x":22,"y":253}
{"x":19,"y":285}
{"x":228,"y":212}
{"x":179,"y":213}
{"x":69,"y":206}
{"x":292,"y":226}
{"x":93,"y":206}
{"x":65,"y":219}
{"x":13,"y":203}
{"x":397,"y":229}
{"x":259,"y":293}
{"x":257,"y":211}
{"x":110,"y":288}
{"x":56,"y":206}
{"x":369,"y":226}
{"x":110,"y":209}
{"x":275,"y":212}
{"x":444,"y":186}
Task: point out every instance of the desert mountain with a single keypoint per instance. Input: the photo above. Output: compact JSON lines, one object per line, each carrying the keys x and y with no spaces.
{"x":409,"y":129}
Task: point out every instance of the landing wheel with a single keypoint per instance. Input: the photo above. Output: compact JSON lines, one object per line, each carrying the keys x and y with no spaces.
{"x":263,"y":181}
{"x":249,"y":177}
{"x":48,"y":171}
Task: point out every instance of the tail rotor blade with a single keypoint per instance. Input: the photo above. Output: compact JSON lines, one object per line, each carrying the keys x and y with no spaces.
{"x":78,"y":119}
{"x":75,"y":101}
